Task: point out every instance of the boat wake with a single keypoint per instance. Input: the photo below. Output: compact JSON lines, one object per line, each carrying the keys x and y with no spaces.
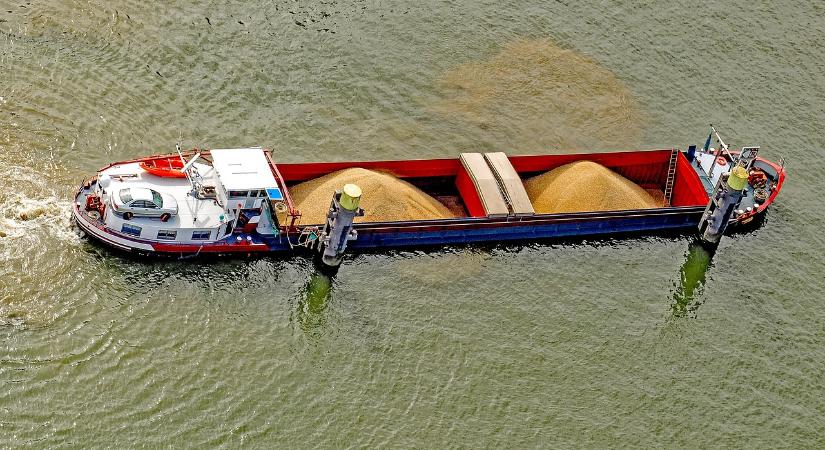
{"x":24,"y":218}
{"x":30,"y":210}
{"x":35,"y":234}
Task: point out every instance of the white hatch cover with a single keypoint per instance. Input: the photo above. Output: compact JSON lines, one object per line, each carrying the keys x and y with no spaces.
{"x":240,"y":169}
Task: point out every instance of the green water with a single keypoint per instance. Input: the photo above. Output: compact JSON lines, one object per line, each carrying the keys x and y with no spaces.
{"x":635,"y":342}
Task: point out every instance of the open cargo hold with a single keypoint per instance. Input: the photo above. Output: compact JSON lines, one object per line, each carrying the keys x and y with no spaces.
{"x":452,"y":181}
{"x":583,"y":186}
{"x":390,"y":198}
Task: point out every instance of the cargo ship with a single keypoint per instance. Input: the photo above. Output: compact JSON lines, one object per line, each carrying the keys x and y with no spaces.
{"x":225,"y":201}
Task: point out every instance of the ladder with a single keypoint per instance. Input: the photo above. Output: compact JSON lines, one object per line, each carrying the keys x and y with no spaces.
{"x":671,"y":175}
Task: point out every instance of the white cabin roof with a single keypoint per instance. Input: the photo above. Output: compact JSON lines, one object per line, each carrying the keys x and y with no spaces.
{"x":243,"y":168}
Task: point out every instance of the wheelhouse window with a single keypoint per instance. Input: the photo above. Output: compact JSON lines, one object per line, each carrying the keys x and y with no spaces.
{"x":201,"y":235}
{"x":167,"y":235}
{"x":238,"y":194}
{"x":131,"y":229}
{"x":125,"y":196}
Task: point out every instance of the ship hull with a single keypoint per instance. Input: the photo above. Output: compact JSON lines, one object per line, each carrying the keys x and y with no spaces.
{"x":648,"y":167}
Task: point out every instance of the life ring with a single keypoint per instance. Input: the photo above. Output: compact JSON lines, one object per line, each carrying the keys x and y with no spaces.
{"x":722,"y":161}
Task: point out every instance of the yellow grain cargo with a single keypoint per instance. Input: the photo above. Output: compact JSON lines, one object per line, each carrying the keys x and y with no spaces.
{"x":586,"y":186}
{"x":385,"y":197}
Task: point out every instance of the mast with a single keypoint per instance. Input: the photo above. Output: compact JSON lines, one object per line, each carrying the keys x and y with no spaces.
{"x":716,"y":154}
{"x":719,"y":138}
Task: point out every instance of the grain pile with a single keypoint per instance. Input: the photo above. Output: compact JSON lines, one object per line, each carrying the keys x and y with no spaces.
{"x":386,"y":198}
{"x":585,"y":186}
{"x":658,"y":197}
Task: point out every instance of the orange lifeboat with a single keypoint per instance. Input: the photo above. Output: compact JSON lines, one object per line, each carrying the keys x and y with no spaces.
{"x":169,"y":167}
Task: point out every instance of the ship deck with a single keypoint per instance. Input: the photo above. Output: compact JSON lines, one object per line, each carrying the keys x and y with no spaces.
{"x":192,"y":213}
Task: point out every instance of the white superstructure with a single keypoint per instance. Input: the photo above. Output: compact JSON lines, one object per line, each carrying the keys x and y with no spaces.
{"x":243,"y":168}
{"x":212,"y":201}
{"x":244,"y":175}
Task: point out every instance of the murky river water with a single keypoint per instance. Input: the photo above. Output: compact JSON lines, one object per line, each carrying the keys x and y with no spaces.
{"x":612,"y":343}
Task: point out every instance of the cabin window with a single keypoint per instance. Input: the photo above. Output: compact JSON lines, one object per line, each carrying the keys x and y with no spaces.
{"x":238,"y":194}
{"x":167,"y":235}
{"x":201,"y":235}
{"x":130,"y":229}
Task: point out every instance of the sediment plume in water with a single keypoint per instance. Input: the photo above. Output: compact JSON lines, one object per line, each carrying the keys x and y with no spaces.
{"x":585,"y":186}
{"x":386,"y":198}
{"x":535,"y":96}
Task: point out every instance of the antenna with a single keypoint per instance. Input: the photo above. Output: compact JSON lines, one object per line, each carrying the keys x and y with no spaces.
{"x":718,"y":151}
{"x":721,"y":142}
{"x":180,"y":153}
{"x":187,"y":168}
